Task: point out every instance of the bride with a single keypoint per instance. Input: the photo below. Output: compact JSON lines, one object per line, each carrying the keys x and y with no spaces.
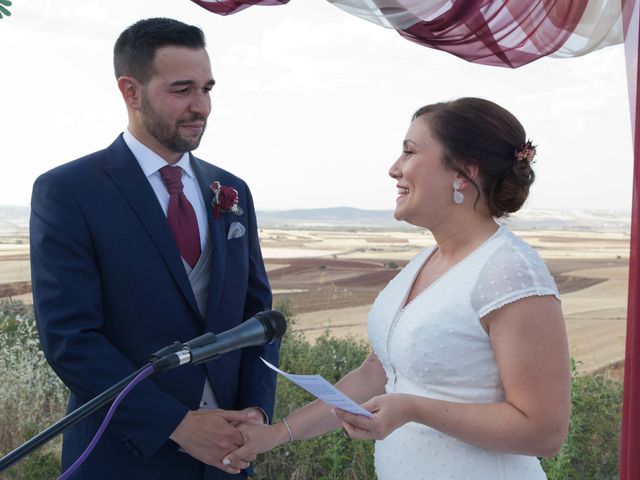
{"x":468,"y":377}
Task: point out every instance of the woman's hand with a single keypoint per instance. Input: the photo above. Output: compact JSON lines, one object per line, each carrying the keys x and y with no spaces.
{"x":390,"y":411}
{"x":258,"y":438}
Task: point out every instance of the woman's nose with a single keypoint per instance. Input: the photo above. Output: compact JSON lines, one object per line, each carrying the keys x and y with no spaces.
{"x":395,"y":170}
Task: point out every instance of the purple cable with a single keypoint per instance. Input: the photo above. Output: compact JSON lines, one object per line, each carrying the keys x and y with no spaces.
{"x":141,"y":376}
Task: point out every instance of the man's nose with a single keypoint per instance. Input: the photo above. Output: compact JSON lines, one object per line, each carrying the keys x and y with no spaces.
{"x":201,"y":104}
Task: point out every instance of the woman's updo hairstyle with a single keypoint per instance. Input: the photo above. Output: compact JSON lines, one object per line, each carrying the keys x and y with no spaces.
{"x":474,"y":131}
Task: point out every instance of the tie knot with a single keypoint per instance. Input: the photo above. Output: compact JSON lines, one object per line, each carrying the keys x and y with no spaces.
{"x":172,"y":178}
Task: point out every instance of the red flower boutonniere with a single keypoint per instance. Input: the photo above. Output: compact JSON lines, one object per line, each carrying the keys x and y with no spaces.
{"x":225,"y":199}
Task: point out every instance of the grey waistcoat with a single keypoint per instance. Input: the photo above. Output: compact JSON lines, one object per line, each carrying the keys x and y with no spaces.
{"x":200,"y":277}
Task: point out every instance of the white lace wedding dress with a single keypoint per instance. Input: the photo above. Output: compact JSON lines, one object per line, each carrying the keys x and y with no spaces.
{"x":436,"y":347}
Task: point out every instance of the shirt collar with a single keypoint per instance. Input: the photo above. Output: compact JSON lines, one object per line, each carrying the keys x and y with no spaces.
{"x":150,"y":161}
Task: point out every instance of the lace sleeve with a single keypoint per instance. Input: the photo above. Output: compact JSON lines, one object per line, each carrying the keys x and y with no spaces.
{"x":513,"y":272}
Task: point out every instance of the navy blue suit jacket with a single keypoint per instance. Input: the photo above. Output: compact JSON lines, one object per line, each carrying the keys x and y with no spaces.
{"x":110,"y":289}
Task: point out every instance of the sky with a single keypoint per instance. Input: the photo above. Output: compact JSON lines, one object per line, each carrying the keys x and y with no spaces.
{"x":310,"y":106}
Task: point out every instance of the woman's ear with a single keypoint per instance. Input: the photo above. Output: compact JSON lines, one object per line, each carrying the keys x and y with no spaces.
{"x":469,"y":172}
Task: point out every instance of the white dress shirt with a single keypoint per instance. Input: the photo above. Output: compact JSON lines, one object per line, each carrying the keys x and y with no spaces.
{"x":151,"y":163}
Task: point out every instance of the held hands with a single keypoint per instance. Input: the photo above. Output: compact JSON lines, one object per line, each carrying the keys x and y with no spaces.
{"x":390,"y":411}
{"x":209,"y":435}
{"x":258,"y":438}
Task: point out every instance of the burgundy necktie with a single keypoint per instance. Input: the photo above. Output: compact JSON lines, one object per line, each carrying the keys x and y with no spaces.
{"x":181,"y":216}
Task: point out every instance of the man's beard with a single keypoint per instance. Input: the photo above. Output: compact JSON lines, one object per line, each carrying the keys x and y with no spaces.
{"x":167,"y":134}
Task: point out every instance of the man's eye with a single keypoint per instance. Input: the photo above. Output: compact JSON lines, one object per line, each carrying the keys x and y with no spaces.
{"x":407,"y":152}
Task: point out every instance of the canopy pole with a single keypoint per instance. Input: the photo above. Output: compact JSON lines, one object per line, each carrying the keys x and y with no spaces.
{"x":630,"y":434}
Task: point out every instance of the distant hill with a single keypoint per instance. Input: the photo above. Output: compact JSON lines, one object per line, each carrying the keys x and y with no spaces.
{"x":572,"y":220}
{"x":530,"y":219}
{"x":14,"y":220}
{"x":336,"y":217}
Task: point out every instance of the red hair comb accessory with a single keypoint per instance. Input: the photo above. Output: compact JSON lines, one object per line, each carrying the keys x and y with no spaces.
{"x":526,"y":152}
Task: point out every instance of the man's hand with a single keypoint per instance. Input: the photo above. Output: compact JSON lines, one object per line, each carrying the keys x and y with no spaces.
{"x":259,"y":417}
{"x":208,"y":435}
{"x":3,"y":9}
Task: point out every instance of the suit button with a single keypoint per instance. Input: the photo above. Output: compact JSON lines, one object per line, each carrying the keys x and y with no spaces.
{"x":129,"y":444}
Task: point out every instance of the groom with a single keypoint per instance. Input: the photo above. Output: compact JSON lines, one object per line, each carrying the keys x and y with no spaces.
{"x":131,"y":250}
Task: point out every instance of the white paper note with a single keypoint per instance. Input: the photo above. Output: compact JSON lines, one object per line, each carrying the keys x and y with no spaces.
{"x":319,"y":387}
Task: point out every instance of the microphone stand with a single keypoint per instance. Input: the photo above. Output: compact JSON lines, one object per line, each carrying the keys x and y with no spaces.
{"x":162,"y":360}
{"x":271,"y":324}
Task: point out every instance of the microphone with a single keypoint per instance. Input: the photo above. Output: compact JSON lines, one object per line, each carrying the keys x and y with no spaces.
{"x":262,"y":328}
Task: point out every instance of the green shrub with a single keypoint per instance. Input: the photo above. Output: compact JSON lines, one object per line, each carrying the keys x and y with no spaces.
{"x":591,"y":449}
{"x":40,"y":465}
{"x":32,"y":398}
{"x":332,"y":456}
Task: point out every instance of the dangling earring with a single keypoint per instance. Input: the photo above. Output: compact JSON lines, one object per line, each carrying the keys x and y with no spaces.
{"x":458,"y":197}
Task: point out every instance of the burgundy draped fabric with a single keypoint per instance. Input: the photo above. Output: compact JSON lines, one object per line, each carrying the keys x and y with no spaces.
{"x":227,"y":7}
{"x":492,"y":32}
{"x":508,"y":34}
{"x":630,"y":438}
{"x":512,"y":33}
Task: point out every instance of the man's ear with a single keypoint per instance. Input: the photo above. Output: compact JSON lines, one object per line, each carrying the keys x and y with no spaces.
{"x":130,"y":89}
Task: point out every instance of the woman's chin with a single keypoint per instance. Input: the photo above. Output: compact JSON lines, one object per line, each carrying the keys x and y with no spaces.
{"x":403,"y":216}
{"x":397,"y":214}
{"x":400,"y":212}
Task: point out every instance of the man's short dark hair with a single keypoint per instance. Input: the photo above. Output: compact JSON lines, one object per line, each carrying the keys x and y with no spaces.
{"x":136,"y":47}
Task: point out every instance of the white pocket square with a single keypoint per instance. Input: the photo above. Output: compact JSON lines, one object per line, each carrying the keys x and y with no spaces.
{"x":236,"y":230}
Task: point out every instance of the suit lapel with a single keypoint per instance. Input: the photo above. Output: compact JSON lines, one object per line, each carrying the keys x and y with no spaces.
{"x":217,"y":230}
{"x":126,"y":173}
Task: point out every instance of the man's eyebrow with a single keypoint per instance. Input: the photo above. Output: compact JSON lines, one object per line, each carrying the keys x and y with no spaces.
{"x":407,"y":142}
{"x":182,"y":83}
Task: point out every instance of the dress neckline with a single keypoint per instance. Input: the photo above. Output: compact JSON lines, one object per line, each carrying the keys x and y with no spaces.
{"x":400,"y":312}
{"x":456,"y":266}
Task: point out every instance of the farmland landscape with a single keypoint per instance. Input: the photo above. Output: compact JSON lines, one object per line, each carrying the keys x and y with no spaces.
{"x":331,"y":263}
